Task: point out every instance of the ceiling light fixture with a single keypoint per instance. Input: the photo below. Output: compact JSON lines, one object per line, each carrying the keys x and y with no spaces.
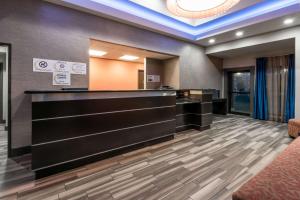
{"x":96,"y":53}
{"x":288,"y":21}
{"x":212,"y":41}
{"x":239,"y":33}
{"x":129,"y":57}
{"x":200,"y":8}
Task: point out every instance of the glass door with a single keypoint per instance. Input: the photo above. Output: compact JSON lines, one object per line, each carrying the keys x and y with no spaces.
{"x":239,"y":92}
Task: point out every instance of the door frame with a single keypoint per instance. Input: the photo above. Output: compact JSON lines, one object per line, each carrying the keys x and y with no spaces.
{"x":227,"y":71}
{"x":9,"y":148}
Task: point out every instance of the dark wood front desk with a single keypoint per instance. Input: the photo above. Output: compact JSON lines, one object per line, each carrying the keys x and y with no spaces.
{"x":74,"y":128}
{"x":70,"y":129}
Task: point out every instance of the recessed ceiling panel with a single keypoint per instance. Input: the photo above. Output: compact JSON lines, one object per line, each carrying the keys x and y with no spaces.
{"x":160,"y":6}
{"x":154,"y":15}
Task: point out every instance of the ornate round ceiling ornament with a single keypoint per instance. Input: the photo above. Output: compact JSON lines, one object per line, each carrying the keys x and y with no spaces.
{"x":200,"y":8}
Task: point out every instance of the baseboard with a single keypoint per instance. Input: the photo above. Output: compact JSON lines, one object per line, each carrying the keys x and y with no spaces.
{"x":20,"y":151}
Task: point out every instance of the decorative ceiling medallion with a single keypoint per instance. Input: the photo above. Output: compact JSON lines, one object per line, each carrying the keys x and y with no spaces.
{"x":200,"y":8}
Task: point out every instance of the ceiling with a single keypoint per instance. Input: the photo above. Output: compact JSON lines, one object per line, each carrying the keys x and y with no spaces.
{"x":251,"y":30}
{"x":268,"y":49}
{"x":251,"y":15}
{"x":115,"y":51}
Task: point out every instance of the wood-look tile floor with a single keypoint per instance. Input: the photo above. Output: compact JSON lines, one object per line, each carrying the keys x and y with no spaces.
{"x":195,"y":166}
{"x":13,"y":171}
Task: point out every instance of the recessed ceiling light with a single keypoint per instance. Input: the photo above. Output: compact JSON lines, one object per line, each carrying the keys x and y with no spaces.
{"x":211,"y":41}
{"x":96,"y":53}
{"x":239,"y":33}
{"x":129,"y":57}
{"x":288,"y":21}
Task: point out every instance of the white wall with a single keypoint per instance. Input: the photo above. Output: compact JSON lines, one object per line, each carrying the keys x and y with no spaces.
{"x":291,"y":33}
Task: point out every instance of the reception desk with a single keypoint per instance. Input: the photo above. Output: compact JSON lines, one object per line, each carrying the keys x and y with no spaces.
{"x":73,"y":128}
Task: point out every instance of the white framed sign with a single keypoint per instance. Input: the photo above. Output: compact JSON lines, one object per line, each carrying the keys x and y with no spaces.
{"x":78,"y":68}
{"x":61,"y":66}
{"x":153,"y":78}
{"x":42,"y":65}
{"x":61,"y":78}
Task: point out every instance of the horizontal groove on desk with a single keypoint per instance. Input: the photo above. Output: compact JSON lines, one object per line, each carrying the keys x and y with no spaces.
{"x":81,"y":147}
{"x":52,"y":109}
{"x":58,"y":129}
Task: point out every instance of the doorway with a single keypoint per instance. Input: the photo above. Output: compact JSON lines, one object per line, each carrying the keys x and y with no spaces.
{"x":4,"y":101}
{"x":141,"y":83}
{"x":239,"y":92}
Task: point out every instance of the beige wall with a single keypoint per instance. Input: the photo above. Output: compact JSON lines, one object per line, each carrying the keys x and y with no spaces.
{"x":154,"y":67}
{"x":107,"y":74}
{"x":171,"y":75}
{"x":239,"y":61}
{"x":168,"y":70}
{"x":249,"y":60}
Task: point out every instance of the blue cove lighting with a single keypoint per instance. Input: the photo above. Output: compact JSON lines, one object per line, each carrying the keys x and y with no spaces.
{"x":258,"y":12}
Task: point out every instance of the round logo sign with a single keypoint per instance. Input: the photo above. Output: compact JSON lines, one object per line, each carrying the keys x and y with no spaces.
{"x":61,"y":66}
{"x":43,"y":64}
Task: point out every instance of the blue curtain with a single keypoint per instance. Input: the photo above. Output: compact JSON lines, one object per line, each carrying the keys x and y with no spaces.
{"x":260,"y":110}
{"x":290,"y":98}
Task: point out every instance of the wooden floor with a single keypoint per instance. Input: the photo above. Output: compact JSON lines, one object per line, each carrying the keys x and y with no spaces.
{"x":195,"y":166}
{"x":14,"y":171}
{"x":3,"y":142}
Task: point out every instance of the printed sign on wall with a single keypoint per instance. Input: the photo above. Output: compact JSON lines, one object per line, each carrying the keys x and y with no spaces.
{"x":61,"y":70}
{"x":45,"y":65}
{"x":153,"y":78}
{"x":61,"y":66}
{"x":78,"y":68}
{"x":42,"y":65}
{"x":61,"y":78}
